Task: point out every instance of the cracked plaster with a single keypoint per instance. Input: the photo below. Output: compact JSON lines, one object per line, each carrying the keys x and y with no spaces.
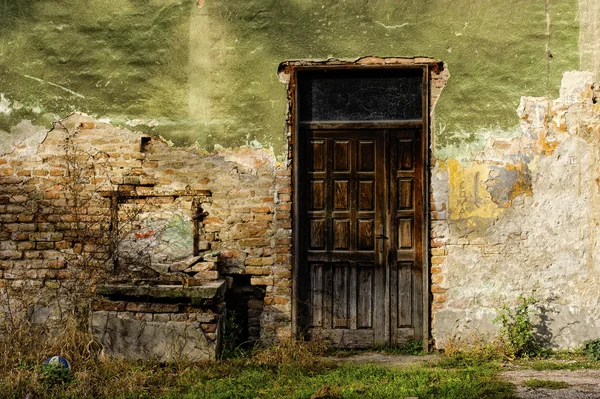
{"x":525,"y":216}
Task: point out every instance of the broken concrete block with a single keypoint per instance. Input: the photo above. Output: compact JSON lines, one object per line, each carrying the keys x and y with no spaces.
{"x":162,"y":341}
{"x":184,"y":264}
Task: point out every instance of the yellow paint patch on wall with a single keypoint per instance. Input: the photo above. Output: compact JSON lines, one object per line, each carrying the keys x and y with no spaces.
{"x":533,"y":164}
{"x":467,"y":197}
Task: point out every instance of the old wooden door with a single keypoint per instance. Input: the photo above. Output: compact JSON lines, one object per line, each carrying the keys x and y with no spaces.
{"x":360,"y":216}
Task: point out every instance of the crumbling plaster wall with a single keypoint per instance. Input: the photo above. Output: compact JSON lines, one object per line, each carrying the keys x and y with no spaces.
{"x":521,"y":216}
{"x":42,"y":245}
{"x":207,"y":75}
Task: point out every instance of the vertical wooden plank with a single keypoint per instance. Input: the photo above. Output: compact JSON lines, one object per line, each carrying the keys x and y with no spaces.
{"x":394,"y":303}
{"x":365,"y":296}
{"x":417,"y":301}
{"x":353,"y":297}
{"x":316,"y":302}
{"x":381,"y":305}
{"x":392,"y":229}
{"x":405,"y":294}
{"x":327,"y":315}
{"x":340,"y":296}
{"x":420,"y":260}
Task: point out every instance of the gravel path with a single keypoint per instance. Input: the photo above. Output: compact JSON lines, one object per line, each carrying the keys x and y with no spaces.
{"x":583,"y":384}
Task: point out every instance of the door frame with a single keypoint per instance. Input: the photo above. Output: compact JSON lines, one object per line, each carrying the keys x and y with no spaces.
{"x":295,"y":151}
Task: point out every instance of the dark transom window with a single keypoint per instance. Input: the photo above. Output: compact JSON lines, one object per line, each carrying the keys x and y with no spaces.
{"x":360,"y":95}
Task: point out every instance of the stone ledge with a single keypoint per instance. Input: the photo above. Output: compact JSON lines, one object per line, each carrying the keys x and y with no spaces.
{"x":214,"y":290}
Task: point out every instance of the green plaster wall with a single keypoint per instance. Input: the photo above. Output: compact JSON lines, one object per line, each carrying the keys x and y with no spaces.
{"x":208,"y":74}
{"x":122,"y":59}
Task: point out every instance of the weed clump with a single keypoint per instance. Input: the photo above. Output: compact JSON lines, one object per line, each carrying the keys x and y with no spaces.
{"x":231,"y":347}
{"x":477,"y":351}
{"x":410,"y":347}
{"x":592,"y":349}
{"x":517,"y":329}
{"x":291,"y":352}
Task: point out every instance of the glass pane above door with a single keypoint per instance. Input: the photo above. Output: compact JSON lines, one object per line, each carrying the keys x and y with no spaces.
{"x":360,"y":95}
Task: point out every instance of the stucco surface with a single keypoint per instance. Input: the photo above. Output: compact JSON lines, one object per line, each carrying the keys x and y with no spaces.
{"x":525,"y":217}
{"x":208,"y":74}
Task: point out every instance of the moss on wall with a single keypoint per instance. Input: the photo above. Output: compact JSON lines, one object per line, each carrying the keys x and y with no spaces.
{"x":209,"y":74}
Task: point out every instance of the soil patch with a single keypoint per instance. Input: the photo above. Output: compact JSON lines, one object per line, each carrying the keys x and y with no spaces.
{"x":583,"y":384}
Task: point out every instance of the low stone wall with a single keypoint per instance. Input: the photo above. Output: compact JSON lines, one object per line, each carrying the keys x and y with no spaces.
{"x":162,"y":322}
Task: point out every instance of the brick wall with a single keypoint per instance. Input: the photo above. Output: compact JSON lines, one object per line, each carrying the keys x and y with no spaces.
{"x":55,"y":222}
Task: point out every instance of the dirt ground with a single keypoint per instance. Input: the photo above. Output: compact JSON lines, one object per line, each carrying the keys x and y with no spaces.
{"x":583,"y":384}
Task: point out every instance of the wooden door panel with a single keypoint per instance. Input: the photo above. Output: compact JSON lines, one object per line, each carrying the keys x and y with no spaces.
{"x":317,"y":155}
{"x":345,"y":176}
{"x":366,"y":195}
{"x":318,"y":233}
{"x":366,"y":156}
{"x":365,"y":279}
{"x":341,"y":234}
{"x":365,"y":231}
{"x":406,"y":234}
{"x":404,"y":287}
{"x":317,"y":195}
{"x":405,"y":194}
{"x":341,"y":153}
{"x":362,"y":228}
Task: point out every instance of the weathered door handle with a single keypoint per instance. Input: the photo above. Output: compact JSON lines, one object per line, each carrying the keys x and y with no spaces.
{"x":380,"y":238}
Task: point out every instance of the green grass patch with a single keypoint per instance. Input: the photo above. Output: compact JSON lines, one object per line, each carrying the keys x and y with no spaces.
{"x":559,"y":360}
{"x":348,"y":381}
{"x":547,"y":384}
{"x":541,"y":365}
{"x":592,"y":349}
{"x":410,"y":348}
{"x":247,"y":378}
{"x":293,"y":369}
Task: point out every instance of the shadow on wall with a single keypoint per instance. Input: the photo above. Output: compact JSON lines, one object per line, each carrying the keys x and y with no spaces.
{"x":12,"y":11}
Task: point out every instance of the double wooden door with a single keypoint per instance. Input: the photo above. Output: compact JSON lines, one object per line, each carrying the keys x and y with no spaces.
{"x":361,"y":235}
